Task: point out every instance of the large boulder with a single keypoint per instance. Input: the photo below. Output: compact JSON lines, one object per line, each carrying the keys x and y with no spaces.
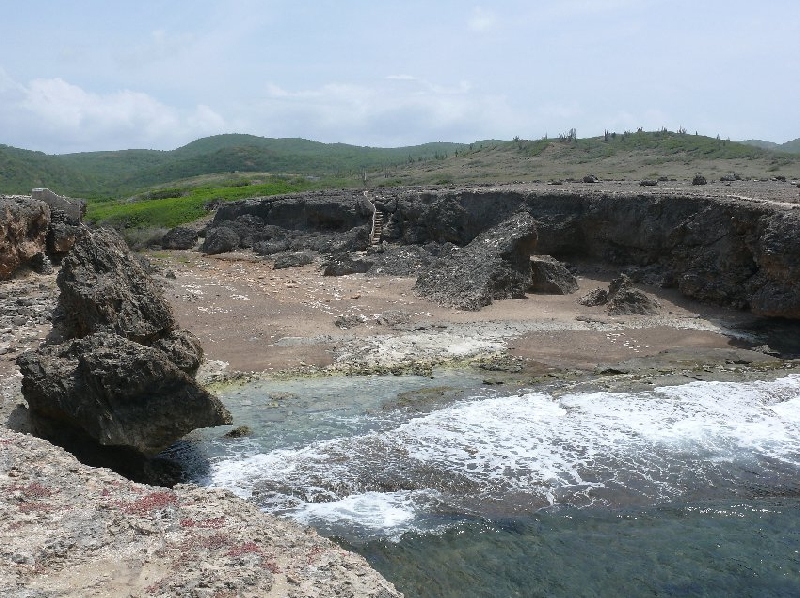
{"x":118,"y":392}
{"x":341,"y":264}
{"x":495,"y":265}
{"x":551,"y":277}
{"x":24,"y":224}
{"x":122,"y":377}
{"x":220,"y":239}
{"x":104,"y":288}
{"x":180,"y":237}
{"x":292,"y":260}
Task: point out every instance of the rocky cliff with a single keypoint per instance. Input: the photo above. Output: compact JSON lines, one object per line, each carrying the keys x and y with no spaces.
{"x":713,"y":246}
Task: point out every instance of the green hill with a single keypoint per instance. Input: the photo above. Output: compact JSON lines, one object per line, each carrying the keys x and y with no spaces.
{"x":121,"y":173}
{"x":790,"y":147}
{"x":236,"y":160}
{"x":632,"y":156}
{"x":22,"y":170}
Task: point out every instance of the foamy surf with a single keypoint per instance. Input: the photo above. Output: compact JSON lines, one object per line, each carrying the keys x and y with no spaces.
{"x":518,"y":453}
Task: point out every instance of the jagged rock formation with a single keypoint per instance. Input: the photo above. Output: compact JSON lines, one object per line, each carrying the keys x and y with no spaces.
{"x":104,"y":288}
{"x":622,"y":298}
{"x":495,"y":265}
{"x":23,"y":232}
{"x":120,"y":393}
{"x":122,"y":375}
{"x":550,"y":276}
{"x":35,"y":230}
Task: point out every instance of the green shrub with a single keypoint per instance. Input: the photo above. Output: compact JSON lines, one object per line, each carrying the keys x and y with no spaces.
{"x":174,"y":209}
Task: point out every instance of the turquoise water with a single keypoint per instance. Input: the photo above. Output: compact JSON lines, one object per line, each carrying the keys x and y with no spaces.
{"x":451,"y":489}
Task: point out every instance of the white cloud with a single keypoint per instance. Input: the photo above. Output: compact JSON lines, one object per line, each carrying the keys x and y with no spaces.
{"x":72,"y":119}
{"x":481,"y":20}
{"x":394,"y":111}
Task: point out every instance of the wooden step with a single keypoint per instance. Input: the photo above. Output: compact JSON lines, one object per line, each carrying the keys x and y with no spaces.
{"x":377,"y":228}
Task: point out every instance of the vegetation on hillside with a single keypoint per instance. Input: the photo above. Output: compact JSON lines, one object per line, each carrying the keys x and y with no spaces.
{"x":170,"y":206}
{"x":96,"y":175}
{"x":790,"y":147}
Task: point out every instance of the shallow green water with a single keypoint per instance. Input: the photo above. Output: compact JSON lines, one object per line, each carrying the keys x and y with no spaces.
{"x":709,"y":549}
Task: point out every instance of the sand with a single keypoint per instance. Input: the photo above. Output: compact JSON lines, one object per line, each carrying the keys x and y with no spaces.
{"x":252,"y":318}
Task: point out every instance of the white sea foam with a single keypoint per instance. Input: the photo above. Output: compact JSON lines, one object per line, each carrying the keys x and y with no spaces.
{"x":534,"y":448}
{"x":370,"y":512}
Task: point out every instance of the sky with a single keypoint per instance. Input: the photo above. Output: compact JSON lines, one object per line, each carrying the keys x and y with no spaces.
{"x":90,"y":75}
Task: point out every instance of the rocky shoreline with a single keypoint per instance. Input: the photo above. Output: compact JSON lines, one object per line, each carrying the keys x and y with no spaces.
{"x":73,"y":530}
{"x":76,"y":531}
{"x":68,"y":529}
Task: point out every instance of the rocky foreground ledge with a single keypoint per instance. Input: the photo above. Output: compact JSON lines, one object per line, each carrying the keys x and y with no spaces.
{"x":69,"y":530}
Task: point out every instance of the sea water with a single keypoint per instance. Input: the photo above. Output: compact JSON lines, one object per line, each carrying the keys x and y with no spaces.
{"x":689,"y":490}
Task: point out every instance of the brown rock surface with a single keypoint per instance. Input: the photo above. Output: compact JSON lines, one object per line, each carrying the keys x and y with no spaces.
{"x":75,"y":531}
{"x":23,"y":232}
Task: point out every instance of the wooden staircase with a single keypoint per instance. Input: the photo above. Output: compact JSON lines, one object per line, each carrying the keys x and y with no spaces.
{"x":377,"y":227}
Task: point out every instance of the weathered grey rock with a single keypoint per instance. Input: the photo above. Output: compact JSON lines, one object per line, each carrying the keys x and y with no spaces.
{"x":622,"y":298}
{"x":356,"y":239}
{"x":648,"y":183}
{"x":271,"y":247}
{"x":699,"y":179}
{"x":41,"y":264}
{"x":347,"y":321}
{"x":179,"y":237}
{"x":220,"y":239}
{"x":183,"y":349}
{"x":293,"y":260}
{"x":23,"y":232}
{"x":495,"y":265}
{"x":343,"y":264}
{"x":105,"y":288}
{"x":405,"y":260}
{"x":123,"y":378}
{"x":62,"y":234}
{"x":594,"y":298}
{"x":118,"y":392}
{"x":550,"y":276}
{"x":324,"y":211}
{"x":590,"y":178}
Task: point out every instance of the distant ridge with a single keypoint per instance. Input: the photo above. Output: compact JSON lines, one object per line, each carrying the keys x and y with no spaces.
{"x":115,"y":173}
{"x":790,"y":147}
{"x":123,"y":174}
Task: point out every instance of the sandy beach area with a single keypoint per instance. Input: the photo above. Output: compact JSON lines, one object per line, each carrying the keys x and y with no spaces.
{"x":254,"y":319}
